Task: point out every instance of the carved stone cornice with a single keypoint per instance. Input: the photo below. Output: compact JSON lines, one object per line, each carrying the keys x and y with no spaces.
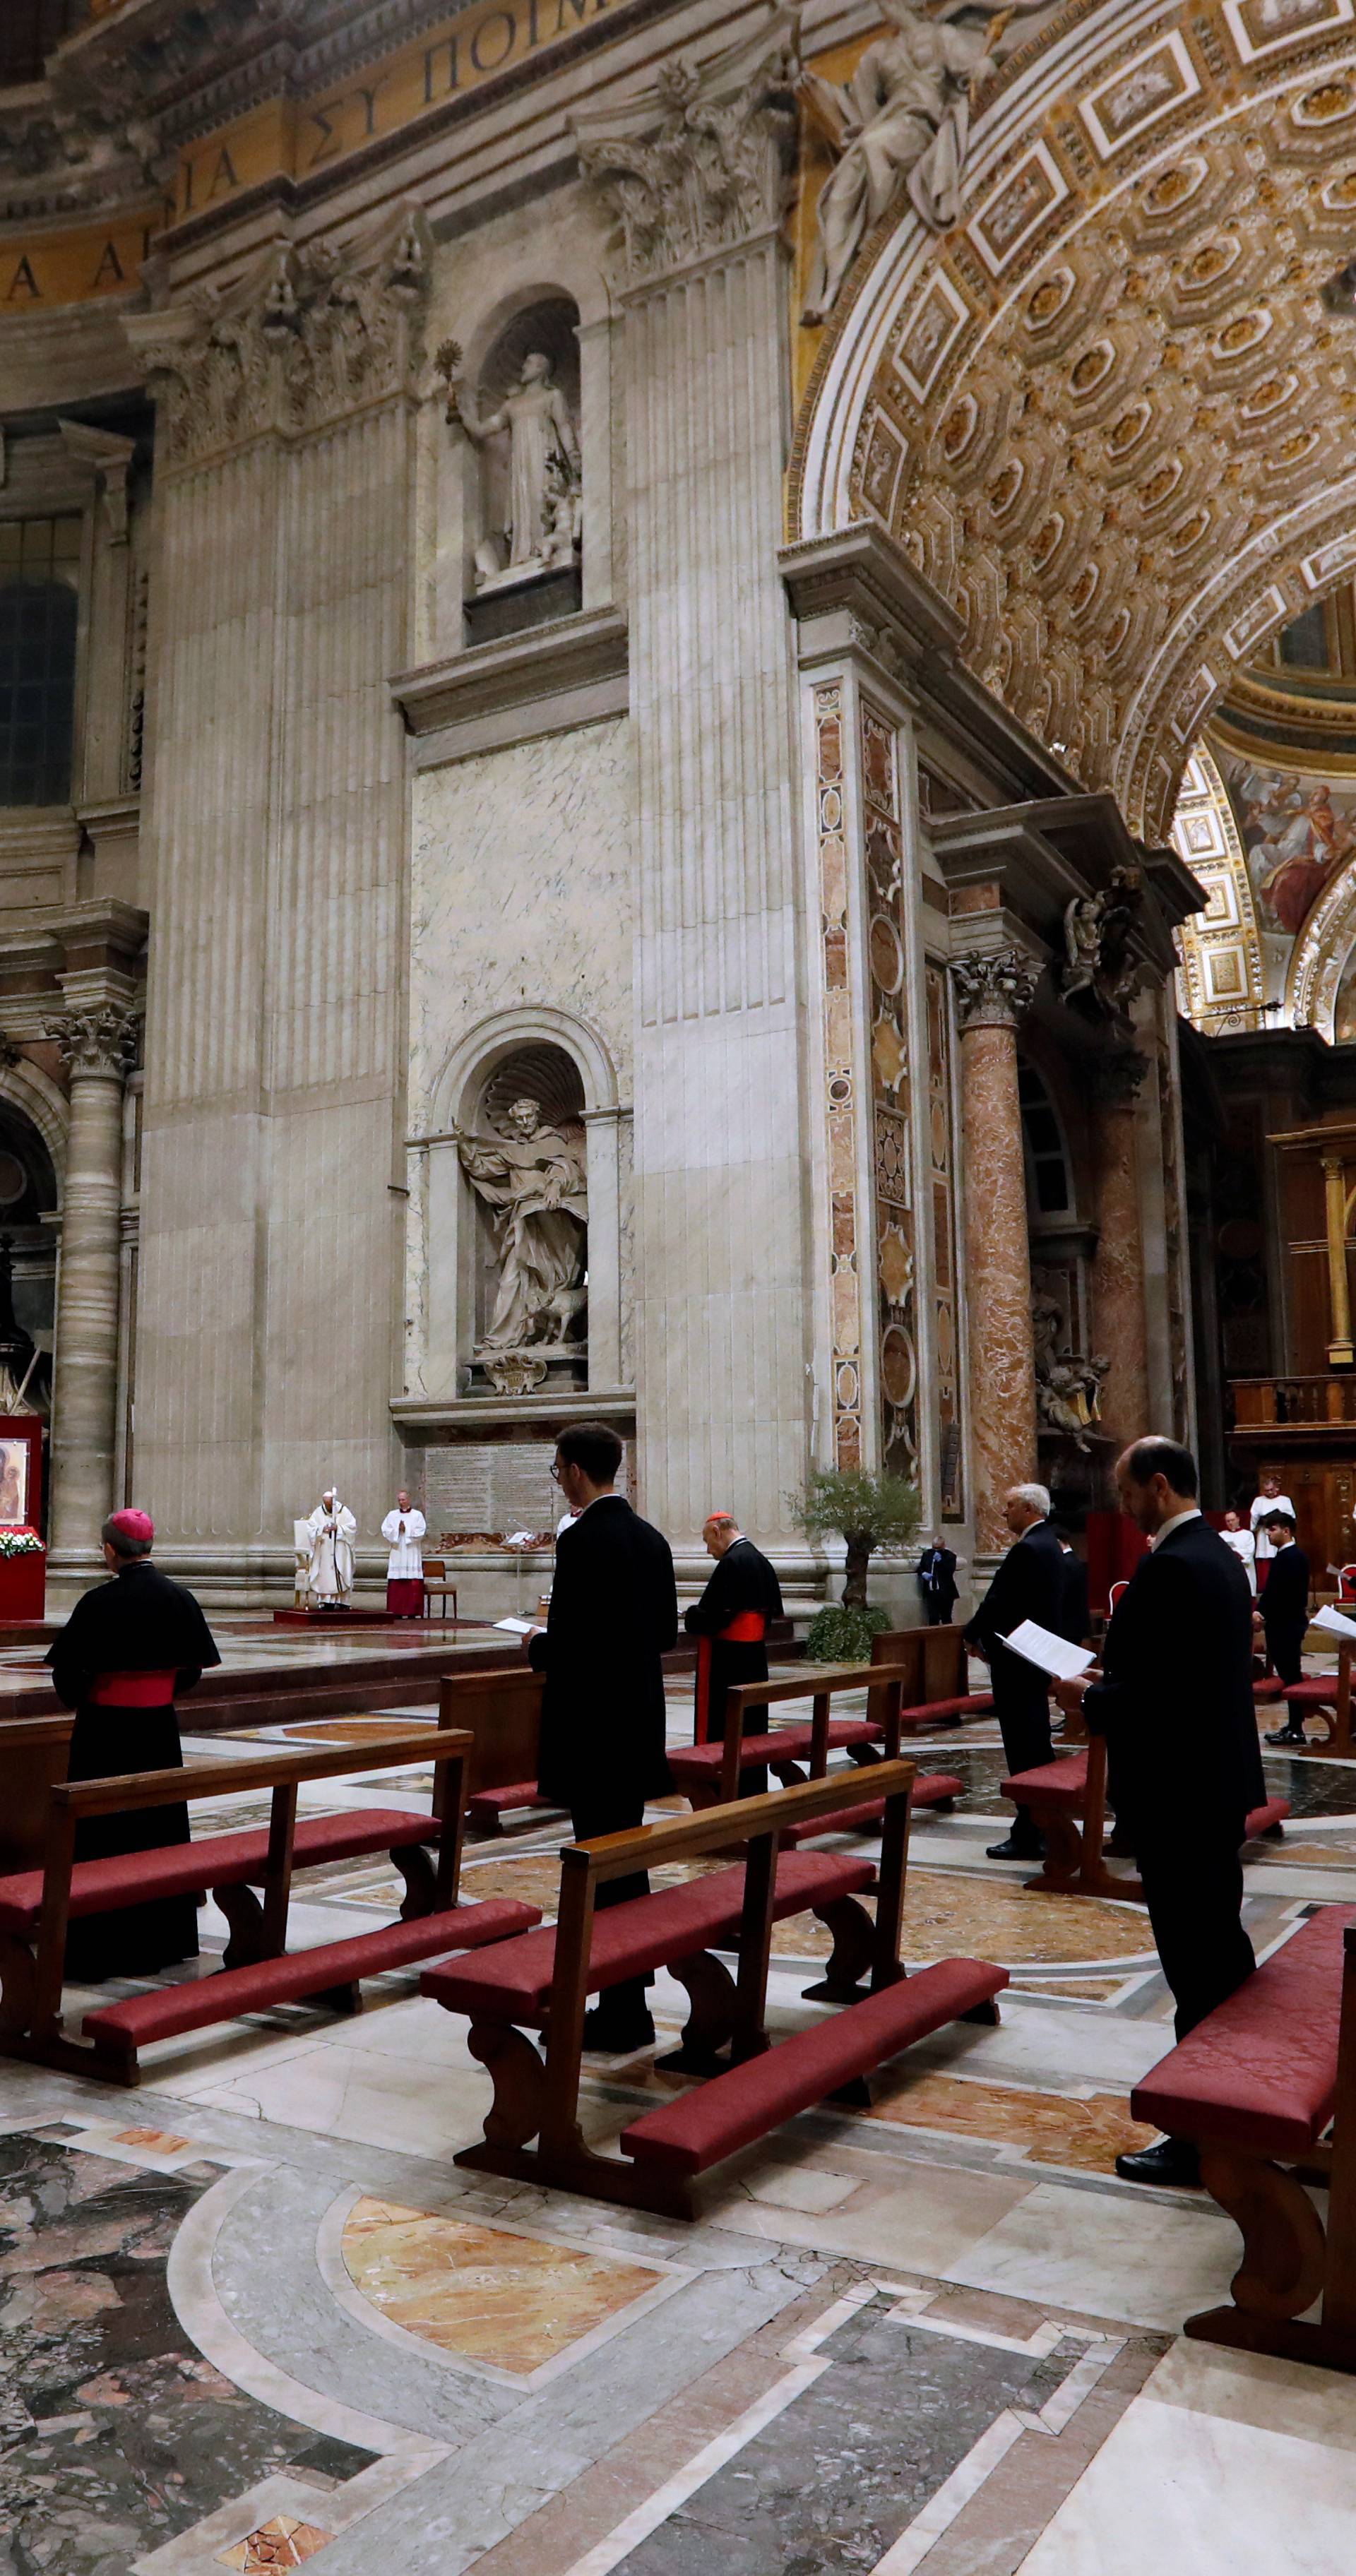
{"x":1113,"y":1076}
{"x":701,"y":162}
{"x":306,"y":336}
{"x":996,"y":991}
{"x":102,"y":1044}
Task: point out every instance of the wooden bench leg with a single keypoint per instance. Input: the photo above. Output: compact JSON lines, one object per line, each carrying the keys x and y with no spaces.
{"x":421,"y":1881}
{"x":18,"y":1977}
{"x":1281,"y":2273}
{"x":248,"y":1943}
{"x":713,"y":1995}
{"x":790,"y":1774}
{"x":846,"y":1980}
{"x":519,"y":2080}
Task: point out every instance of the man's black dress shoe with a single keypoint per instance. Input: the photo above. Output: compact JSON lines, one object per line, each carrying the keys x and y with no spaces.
{"x":1285,"y":1735}
{"x":1011,"y":1850}
{"x":609,"y":2033}
{"x":1173,"y":2160}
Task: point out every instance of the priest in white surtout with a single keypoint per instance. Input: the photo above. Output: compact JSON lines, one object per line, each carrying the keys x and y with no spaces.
{"x":404,"y":1529}
{"x":333,"y":1530}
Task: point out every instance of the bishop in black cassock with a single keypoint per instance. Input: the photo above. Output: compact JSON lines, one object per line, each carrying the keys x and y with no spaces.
{"x":730,"y":1623}
{"x":127,"y":1649}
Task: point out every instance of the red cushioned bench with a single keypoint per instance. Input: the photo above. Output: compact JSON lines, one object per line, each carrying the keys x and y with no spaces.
{"x":1322,"y":1695}
{"x":709,"y":1773}
{"x":688,"y":2137}
{"x":1067,"y":1799}
{"x":933,"y":1792}
{"x":37,"y":1906}
{"x":544,"y":1978}
{"x":1255,"y":2085}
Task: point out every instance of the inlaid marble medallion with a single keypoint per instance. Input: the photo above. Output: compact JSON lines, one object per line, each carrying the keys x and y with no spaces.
{"x":483,"y":2293}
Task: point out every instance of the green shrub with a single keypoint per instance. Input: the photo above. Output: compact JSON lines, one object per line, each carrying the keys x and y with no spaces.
{"x":841,"y":1635}
{"x":870,"y":1512}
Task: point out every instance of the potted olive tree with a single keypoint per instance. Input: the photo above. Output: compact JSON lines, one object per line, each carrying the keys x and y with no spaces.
{"x":869,"y":1513}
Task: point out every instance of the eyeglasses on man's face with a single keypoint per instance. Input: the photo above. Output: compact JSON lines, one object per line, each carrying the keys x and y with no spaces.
{"x":555,"y":1471}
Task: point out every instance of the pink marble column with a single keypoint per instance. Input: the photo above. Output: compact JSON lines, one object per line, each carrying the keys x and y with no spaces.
{"x":1117,"y":1279}
{"x":991,"y":995}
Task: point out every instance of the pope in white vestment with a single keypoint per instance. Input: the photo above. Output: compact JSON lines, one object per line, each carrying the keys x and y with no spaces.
{"x":404,"y":1530}
{"x":333,"y":1530}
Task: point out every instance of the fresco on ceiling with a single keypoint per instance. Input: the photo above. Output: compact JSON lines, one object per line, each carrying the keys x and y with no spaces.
{"x":1297,"y":832}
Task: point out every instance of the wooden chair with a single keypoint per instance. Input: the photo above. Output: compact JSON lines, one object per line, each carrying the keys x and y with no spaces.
{"x":436,"y":1585}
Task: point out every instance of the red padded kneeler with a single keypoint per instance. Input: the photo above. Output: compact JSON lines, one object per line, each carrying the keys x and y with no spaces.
{"x":513,"y":1983}
{"x":1265,"y":1819}
{"x":1261,"y":2071}
{"x":731,"y":2110}
{"x":219,"y":1860}
{"x":1064,"y":1783}
{"x":168,"y":2010}
{"x":787,"y":1744}
{"x":939,"y":1712}
{"x":930,"y":1789}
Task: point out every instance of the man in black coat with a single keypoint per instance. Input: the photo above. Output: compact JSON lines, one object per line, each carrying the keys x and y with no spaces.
{"x":1174,"y":1701}
{"x":937,"y":1581}
{"x":1284,"y":1609}
{"x":614,"y":1613}
{"x":127,"y":1648}
{"x":730,"y":1623}
{"x":1029,"y":1584}
{"x":1075,"y":1618}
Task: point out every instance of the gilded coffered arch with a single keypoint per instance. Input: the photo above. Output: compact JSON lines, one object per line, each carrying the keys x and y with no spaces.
{"x":1108,"y":415}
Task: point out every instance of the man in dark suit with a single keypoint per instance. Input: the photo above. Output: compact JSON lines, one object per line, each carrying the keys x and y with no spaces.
{"x":1174,"y":1700}
{"x":614,"y":1613}
{"x":1029,"y":1584}
{"x":1284,"y":1611}
{"x":937,"y":1581}
{"x":1075,"y":1618}
{"x":730,"y":1624}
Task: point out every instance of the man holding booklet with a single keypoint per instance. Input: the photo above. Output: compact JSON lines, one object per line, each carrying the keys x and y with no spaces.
{"x":1174,"y":1700}
{"x":1029,"y":1585}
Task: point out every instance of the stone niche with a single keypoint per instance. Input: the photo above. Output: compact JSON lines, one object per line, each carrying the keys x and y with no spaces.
{"x":515,"y":1240}
{"x":521,"y":418}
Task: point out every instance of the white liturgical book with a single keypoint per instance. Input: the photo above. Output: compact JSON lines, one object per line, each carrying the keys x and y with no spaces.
{"x":1049,"y":1653}
{"x":524,"y":1627}
{"x":1337,"y":1626}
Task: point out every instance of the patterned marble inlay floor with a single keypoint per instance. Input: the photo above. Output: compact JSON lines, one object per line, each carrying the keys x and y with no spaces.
{"x":280,"y":2542}
{"x":1050,"y":2128}
{"x":480,"y":2292}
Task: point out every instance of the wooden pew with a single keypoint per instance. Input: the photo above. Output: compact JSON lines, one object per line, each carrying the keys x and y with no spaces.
{"x":37,"y":1905}
{"x":1067,"y":1801}
{"x":709,"y":1773}
{"x":1257,"y":2085}
{"x":545,"y":1978}
{"x":33,"y":1758}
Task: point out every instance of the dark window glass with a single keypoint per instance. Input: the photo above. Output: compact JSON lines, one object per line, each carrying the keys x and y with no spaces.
{"x":1047,"y":1169}
{"x":39,"y":613}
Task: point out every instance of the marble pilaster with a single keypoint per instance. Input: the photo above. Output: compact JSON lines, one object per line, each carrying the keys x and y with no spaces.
{"x":695,"y":174}
{"x":991,"y":994}
{"x":277,"y":833}
{"x":97,"y":1047}
{"x":1117,"y":1277}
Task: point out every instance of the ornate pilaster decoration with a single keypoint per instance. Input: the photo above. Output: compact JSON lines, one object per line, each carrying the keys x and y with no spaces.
{"x":306,"y":336}
{"x":994,"y":992}
{"x":99,"y":1043}
{"x":701,"y":162}
{"x":1114,"y":1078}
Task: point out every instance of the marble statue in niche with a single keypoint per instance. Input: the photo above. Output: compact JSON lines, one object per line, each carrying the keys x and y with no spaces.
{"x":904,"y":116}
{"x":532,"y":1179}
{"x":1100,"y":969}
{"x":540,"y":527}
{"x":1068,"y":1388}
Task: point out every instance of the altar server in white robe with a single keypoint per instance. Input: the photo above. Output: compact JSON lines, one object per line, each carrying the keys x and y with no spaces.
{"x":333,"y":1530}
{"x":404,"y":1530}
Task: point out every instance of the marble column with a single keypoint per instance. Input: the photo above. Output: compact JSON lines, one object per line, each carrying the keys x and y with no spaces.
{"x":720,"y":1187}
{"x":1117,"y":1278}
{"x":97,"y":1047}
{"x":991,"y":995}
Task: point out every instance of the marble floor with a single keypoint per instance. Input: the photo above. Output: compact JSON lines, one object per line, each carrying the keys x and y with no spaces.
{"x":256,"y":2315}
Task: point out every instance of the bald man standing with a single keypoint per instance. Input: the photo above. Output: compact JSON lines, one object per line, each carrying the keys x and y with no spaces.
{"x":730,"y":1623}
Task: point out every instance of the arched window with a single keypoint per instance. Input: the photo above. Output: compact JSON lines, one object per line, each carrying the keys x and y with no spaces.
{"x":1047,"y":1162}
{"x":39,"y":614}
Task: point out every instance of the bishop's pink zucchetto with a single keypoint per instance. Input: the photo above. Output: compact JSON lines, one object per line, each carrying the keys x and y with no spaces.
{"x":137,"y":1525}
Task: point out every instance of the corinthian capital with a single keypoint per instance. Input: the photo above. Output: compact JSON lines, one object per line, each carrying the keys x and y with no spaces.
{"x":700,"y":162}
{"x":994,"y":992}
{"x":305,"y":336}
{"x":97,"y":1042}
